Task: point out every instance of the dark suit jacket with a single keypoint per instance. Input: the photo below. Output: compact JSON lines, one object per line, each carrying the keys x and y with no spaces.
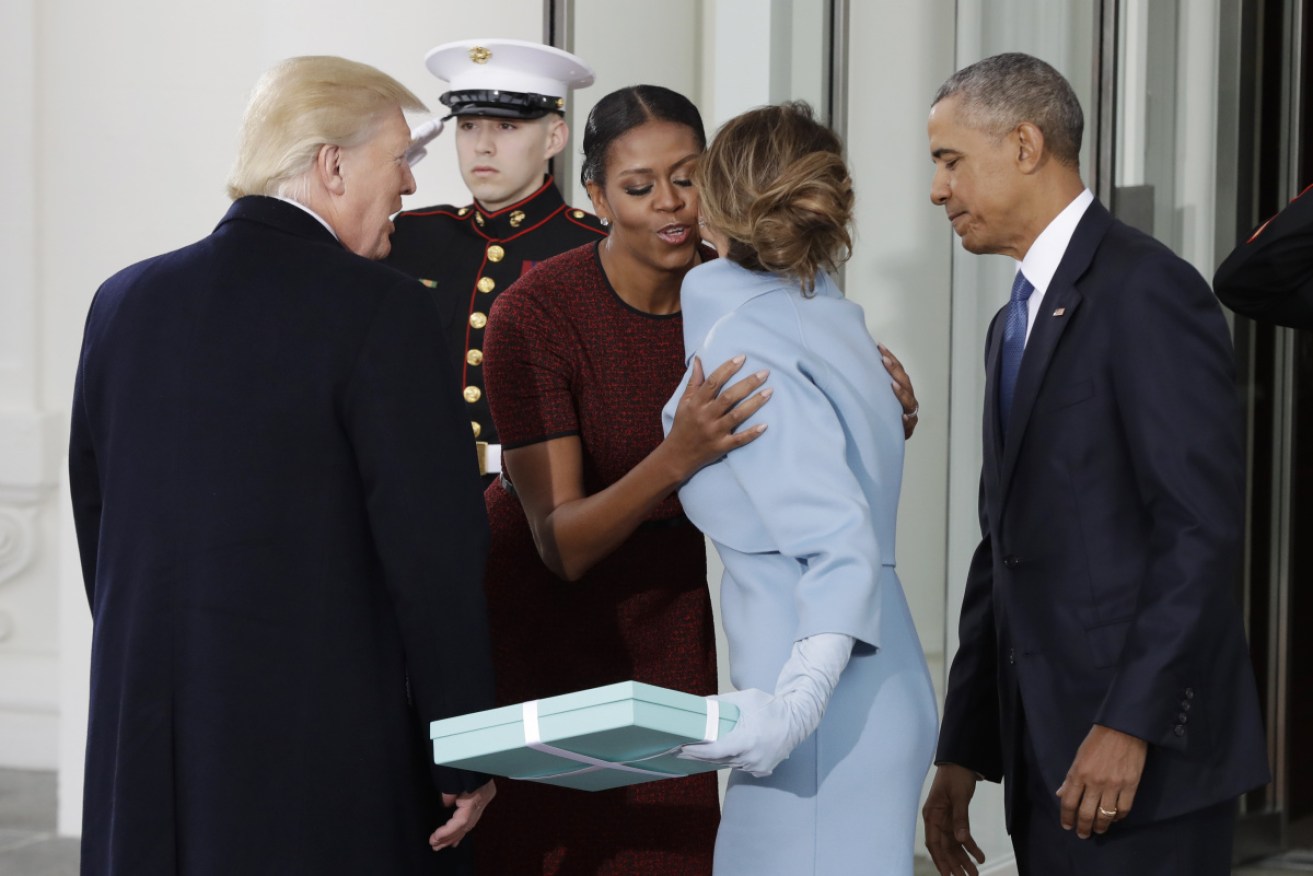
{"x":1112,"y":523}
{"x":1270,"y":276}
{"x":282,"y":536}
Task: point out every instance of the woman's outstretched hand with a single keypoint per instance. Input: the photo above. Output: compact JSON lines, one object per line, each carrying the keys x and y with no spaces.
{"x":710,"y":412}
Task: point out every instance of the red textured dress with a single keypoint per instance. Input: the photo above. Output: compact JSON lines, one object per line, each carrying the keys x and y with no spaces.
{"x":565,"y":355}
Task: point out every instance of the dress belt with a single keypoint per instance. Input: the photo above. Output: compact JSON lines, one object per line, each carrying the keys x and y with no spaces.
{"x":489,"y":457}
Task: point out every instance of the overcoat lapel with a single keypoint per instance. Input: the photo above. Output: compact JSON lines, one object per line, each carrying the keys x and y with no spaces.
{"x":1060,"y":304}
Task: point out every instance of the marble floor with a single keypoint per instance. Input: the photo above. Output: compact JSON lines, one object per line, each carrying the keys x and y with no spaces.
{"x":29,"y":846}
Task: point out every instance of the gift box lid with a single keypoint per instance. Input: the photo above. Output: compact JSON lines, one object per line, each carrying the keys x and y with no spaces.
{"x":627,"y":722}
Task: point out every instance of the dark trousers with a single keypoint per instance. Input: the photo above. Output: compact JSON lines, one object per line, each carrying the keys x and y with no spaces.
{"x":1195,"y":844}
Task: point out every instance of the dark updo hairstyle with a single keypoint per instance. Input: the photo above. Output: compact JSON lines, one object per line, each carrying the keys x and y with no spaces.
{"x":775,"y":183}
{"x":621,"y":111}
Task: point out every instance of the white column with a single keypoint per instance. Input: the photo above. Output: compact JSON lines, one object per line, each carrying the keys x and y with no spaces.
{"x":29,"y":437}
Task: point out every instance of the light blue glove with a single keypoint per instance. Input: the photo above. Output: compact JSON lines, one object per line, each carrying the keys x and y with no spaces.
{"x":771,"y":726}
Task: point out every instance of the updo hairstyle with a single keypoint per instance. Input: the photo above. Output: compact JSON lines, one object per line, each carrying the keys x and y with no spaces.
{"x":621,"y":111}
{"x":775,"y":183}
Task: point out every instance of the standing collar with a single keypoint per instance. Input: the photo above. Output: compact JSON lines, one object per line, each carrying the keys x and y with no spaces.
{"x":522,"y":216}
{"x":716,"y":288}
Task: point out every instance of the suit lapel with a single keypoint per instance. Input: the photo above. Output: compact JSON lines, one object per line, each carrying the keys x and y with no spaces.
{"x":993,"y":425}
{"x":1061,"y":301}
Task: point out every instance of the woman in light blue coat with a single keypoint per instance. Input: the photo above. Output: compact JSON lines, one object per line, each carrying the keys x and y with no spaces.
{"x":838,"y":721}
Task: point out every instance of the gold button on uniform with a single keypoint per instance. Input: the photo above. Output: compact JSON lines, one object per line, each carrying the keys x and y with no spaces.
{"x":474,"y":424}
{"x":496,"y":253}
{"x":473,"y":394}
{"x":578,"y":214}
{"x":516,"y":218}
{"x":487,"y":284}
{"x":474,"y":357}
{"x":478,"y":320}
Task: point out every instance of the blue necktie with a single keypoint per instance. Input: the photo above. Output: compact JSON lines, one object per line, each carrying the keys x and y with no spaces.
{"x":1014,"y":344}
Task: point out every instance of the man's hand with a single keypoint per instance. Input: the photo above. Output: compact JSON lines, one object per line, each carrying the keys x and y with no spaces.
{"x":902,"y":386}
{"x":947,"y":828}
{"x":469,"y":806}
{"x":1101,"y":783}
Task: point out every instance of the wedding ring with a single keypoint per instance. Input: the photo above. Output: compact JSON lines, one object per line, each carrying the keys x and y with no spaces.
{"x":1107,"y":813}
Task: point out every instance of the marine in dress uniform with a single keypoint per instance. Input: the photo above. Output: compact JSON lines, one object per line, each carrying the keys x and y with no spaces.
{"x":468,"y":255}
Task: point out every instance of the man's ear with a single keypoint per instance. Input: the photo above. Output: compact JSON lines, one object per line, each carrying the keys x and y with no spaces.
{"x":558,"y":134}
{"x":328,"y":167}
{"x":1030,"y":147}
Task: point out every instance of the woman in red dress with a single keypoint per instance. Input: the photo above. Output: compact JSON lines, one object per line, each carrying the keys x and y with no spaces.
{"x":595,"y":575}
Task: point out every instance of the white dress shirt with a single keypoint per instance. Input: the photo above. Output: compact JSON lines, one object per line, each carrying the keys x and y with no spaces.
{"x":1045,"y":254}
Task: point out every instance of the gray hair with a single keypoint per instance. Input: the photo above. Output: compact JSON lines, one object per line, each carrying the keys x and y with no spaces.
{"x":1002,"y":91}
{"x":300,"y":105}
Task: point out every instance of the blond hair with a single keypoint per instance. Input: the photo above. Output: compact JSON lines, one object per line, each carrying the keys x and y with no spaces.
{"x":775,"y":183}
{"x":300,"y":105}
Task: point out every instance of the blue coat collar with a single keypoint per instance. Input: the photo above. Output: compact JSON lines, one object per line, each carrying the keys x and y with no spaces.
{"x":719,"y":287}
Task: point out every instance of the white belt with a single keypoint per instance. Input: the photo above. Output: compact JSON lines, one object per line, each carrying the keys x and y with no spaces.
{"x":489,"y":457}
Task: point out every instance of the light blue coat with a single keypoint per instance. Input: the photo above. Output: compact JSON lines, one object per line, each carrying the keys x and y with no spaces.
{"x":803,"y":519}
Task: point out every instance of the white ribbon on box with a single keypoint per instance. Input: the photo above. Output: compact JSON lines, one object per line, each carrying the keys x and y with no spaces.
{"x":533,"y":739}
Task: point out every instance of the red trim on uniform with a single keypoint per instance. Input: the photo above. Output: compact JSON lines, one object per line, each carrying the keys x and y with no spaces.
{"x":542,"y":188}
{"x":600,"y":232}
{"x":432,"y":213}
{"x":1254,"y":236}
{"x":474,"y":294}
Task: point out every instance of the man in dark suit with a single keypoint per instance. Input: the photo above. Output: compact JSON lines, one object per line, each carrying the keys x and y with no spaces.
{"x":1270,"y":276}
{"x":1102,"y":670}
{"x":280,"y":521}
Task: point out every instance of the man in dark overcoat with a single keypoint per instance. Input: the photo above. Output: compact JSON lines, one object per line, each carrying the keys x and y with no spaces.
{"x":279,"y":516}
{"x":1102,"y":670}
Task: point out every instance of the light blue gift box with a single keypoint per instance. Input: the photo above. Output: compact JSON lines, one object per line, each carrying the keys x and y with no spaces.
{"x":619,"y":734}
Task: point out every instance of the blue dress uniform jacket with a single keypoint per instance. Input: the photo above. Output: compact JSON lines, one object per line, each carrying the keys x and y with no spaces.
{"x":282,"y":537}
{"x":1270,"y":276}
{"x":804,"y":520}
{"x":468,"y":256}
{"x":1112,"y":527}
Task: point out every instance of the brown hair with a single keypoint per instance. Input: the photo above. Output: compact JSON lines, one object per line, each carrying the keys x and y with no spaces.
{"x":775,"y":183}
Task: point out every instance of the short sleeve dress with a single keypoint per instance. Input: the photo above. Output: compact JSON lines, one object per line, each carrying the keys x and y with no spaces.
{"x":564,"y":355}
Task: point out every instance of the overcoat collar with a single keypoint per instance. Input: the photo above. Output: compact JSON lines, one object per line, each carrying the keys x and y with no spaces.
{"x":280,"y":215}
{"x":1061,"y":302}
{"x":719,"y":287}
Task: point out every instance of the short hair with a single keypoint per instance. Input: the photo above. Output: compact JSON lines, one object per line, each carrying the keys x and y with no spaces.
{"x":1002,"y":91}
{"x":775,"y":183}
{"x":300,"y":105}
{"x":621,"y":111}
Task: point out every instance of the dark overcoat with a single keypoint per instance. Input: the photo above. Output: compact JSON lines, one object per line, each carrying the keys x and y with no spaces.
{"x":282,"y":536}
{"x":1102,"y":591}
